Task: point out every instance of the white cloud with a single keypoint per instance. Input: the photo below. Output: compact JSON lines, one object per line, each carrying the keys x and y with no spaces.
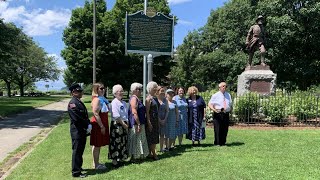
{"x":184,"y":22}
{"x":46,"y":22}
{"x":3,"y":6}
{"x":173,"y":2}
{"x":37,"y":22}
{"x":60,"y":61}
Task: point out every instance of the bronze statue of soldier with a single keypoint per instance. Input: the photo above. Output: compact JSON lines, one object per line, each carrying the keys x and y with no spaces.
{"x":256,"y":39}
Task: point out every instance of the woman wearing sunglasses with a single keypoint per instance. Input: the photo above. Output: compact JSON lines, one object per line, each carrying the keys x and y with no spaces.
{"x":100,"y":128}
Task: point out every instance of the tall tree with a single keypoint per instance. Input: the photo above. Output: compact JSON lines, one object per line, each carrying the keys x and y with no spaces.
{"x":34,"y":65}
{"x":292,"y":43}
{"x":113,"y":66}
{"x":22,"y":61}
{"x":12,"y":40}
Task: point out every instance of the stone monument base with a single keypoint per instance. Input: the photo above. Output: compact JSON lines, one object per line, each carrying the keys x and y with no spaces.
{"x":258,"y":79}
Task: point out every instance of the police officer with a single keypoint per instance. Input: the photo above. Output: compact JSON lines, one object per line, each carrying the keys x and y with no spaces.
{"x":79,"y":128}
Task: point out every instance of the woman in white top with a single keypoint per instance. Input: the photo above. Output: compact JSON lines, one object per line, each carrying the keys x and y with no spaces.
{"x":118,"y":151}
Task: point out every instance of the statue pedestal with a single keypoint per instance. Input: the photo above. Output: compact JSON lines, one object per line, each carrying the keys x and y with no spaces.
{"x":258,"y":79}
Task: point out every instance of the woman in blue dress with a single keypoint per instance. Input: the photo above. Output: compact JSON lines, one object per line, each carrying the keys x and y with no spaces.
{"x":183,"y":113}
{"x":162,"y":115}
{"x":196,"y":109}
{"x":172,"y":120}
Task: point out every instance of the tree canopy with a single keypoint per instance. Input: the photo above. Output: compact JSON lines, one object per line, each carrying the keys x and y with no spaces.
{"x":216,"y":51}
{"x":113,"y":66}
{"x":22,"y":61}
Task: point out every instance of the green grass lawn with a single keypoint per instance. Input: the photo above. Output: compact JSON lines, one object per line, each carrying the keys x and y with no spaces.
{"x":14,"y":105}
{"x":250,"y":154}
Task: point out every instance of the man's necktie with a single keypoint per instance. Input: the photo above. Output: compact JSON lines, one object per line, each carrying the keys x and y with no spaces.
{"x":224,"y":102}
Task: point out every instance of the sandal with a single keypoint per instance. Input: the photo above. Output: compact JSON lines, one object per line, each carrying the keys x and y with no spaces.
{"x":101,"y":167}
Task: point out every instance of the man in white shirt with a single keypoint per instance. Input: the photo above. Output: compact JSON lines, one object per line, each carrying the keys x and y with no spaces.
{"x":221,"y":104}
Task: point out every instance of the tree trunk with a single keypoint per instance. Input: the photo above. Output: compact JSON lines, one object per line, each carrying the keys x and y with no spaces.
{"x":21,"y":86}
{"x":8,"y":83}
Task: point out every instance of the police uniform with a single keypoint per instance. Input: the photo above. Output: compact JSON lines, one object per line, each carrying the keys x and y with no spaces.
{"x":79,"y":122}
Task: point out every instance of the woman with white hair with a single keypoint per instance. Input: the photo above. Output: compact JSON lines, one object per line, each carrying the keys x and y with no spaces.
{"x":118,"y":128}
{"x":138,"y":145}
{"x":152,"y":119}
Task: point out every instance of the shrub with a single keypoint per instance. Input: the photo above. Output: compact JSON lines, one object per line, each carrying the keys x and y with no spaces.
{"x":275,"y":108}
{"x":245,"y":106}
{"x":305,"y":105}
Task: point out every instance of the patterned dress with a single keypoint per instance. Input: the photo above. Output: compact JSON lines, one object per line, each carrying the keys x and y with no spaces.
{"x":171,"y":122}
{"x":195,"y":116}
{"x":153,"y":136}
{"x":162,"y":114}
{"x":183,"y":115}
{"x":118,"y":134}
{"x":138,"y":145}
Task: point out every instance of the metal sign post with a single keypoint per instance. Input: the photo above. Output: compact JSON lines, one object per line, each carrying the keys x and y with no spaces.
{"x":145,"y":63}
{"x":149,"y":36}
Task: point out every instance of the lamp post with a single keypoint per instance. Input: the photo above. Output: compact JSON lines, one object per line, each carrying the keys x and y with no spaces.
{"x":94,"y":43}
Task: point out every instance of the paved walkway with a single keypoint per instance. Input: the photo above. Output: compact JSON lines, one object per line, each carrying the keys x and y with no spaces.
{"x":19,"y":129}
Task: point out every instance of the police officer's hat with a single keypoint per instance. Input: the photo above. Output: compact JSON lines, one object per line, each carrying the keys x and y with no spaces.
{"x":75,"y":87}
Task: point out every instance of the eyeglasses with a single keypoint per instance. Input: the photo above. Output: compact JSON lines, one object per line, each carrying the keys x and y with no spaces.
{"x":102,"y":88}
{"x":139,"y":89}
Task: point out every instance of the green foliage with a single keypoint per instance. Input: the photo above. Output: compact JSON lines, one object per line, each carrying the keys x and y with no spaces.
{"x":216,"y":52}
{"x":302,"y":106}
{"x":245,"y":106}
{"x":22,"y":61}
{"x":87,"y":89}
{"x":305,"y":105}
{"x":274,"y":108}
{"x":113,"y":66}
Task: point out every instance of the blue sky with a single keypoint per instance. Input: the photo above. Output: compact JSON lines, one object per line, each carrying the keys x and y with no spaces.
{"x":44,"y":20}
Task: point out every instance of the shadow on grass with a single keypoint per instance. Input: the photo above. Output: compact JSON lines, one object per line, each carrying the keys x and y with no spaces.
{"x":91,"y":172}
{"x":235,"y":144}
{"x":30,"y":119}
{"x":177,"y":151}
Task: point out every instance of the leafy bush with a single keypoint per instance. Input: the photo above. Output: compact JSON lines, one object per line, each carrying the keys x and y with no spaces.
{"x":253,"y":108}
{"x":305,"y":105}
{"x":245,"y":106}
{"x":275,"y":108}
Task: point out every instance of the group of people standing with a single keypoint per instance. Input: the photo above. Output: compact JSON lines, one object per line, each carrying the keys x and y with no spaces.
{"x":136,"y":129}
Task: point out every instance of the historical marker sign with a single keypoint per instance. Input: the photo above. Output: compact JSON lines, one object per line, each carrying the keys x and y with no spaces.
{"x":149,"y":35}
{"x":260,"y":86}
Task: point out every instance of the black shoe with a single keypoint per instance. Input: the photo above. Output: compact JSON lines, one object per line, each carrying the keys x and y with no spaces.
{"x":81,"y":175}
